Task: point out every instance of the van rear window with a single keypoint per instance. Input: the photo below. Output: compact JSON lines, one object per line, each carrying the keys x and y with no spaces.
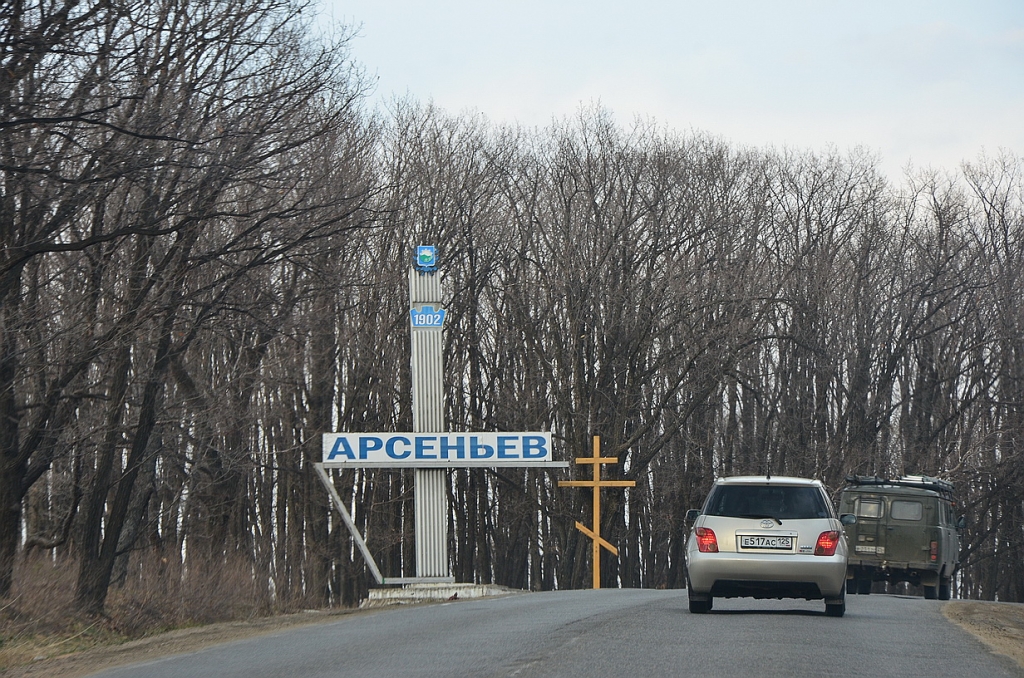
{"x":869,"y":508}
{"x":906,"y":510}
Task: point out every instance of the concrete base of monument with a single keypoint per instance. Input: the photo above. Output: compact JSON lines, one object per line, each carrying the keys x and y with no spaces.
{"x":433,"y":592}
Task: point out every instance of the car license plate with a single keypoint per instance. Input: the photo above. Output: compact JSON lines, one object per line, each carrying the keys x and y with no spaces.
{"x":763,"y":542}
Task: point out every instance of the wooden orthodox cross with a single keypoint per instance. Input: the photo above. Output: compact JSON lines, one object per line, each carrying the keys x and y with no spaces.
{"x":597,"y":460}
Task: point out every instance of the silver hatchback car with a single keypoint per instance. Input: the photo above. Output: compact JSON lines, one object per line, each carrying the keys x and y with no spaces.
{"x":767,"y":537}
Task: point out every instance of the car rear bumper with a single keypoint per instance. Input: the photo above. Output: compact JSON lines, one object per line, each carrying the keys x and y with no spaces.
{"x":766,"y":575}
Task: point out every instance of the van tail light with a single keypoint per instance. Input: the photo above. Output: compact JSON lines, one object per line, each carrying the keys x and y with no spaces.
{"x":827,"y":543}
{"x":934,"y":550}
{"x":707,"y":542}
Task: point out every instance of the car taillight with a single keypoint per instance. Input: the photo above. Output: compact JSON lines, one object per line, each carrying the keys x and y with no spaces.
{"x":827,"y":543}
{"x":707,"y":542}
{"x":935,"y":550}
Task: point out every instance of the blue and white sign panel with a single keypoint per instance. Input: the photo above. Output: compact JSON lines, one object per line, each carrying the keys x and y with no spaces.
{"x":429,"y":450}
{"x":427,"y":317}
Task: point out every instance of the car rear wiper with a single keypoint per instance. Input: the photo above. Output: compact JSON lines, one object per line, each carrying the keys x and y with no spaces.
{"x":760,"y":515}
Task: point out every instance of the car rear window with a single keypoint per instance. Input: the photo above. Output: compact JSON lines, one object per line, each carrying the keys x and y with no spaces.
{"x":766,"y":501}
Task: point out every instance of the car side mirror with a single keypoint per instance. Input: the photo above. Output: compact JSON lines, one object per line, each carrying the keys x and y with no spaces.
{"x":692,"y":514}
{"x":961,"y":523}
{"x":848,"y":519}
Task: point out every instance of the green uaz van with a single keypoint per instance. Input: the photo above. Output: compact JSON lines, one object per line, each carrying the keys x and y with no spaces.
{"x":906,"y":530}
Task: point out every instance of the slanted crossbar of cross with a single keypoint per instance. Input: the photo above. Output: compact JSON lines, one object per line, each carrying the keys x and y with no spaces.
{"x":595,"y":534}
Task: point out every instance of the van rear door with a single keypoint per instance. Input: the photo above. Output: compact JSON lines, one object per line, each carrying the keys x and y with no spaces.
{"x":907,"y":536}
{"x":870,"y":512}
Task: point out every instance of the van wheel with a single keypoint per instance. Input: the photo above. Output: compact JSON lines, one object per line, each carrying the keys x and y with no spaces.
{"x":931,"y":592}
{"x":945,"y":585}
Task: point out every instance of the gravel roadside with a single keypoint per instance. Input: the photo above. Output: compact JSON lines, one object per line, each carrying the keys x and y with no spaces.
{"x":999,"y":625}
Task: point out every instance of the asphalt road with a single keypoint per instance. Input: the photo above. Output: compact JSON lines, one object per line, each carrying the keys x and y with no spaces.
{"x":606,"y":633}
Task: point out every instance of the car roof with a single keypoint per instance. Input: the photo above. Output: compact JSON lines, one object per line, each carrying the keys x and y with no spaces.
{"x":768,"y":480}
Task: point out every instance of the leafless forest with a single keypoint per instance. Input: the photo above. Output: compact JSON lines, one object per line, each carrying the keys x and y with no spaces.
{"x":206,"y":236}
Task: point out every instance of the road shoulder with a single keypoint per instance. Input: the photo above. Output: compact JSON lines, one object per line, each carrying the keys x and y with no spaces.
{"x":181,"y":641}
{"x":1000,"y":626}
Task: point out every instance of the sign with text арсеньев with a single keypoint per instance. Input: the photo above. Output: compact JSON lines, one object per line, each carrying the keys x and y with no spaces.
{"x":427,"y":450}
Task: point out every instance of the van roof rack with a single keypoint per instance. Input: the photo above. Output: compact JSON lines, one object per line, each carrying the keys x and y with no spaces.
{"x":923,"y":482}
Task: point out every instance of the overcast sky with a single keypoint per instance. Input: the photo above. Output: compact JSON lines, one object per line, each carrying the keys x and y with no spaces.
{"x":932,"y":82}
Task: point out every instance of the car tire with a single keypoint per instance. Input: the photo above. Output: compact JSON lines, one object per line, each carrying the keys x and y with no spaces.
{"x":837,"y":609}
{"x":931,"y":592}
{"x":699,"y":605}
{"x":945,"y":588}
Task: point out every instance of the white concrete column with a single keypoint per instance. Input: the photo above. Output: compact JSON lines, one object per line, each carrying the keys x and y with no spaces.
{"x":431,"y":497}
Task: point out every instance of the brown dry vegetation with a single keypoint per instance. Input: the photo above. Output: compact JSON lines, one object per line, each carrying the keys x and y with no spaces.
{"x":104,"y":656}
{"x":41,"y":627}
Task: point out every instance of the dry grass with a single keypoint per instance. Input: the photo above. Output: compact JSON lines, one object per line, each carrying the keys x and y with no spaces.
{"x":40,"y":619}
